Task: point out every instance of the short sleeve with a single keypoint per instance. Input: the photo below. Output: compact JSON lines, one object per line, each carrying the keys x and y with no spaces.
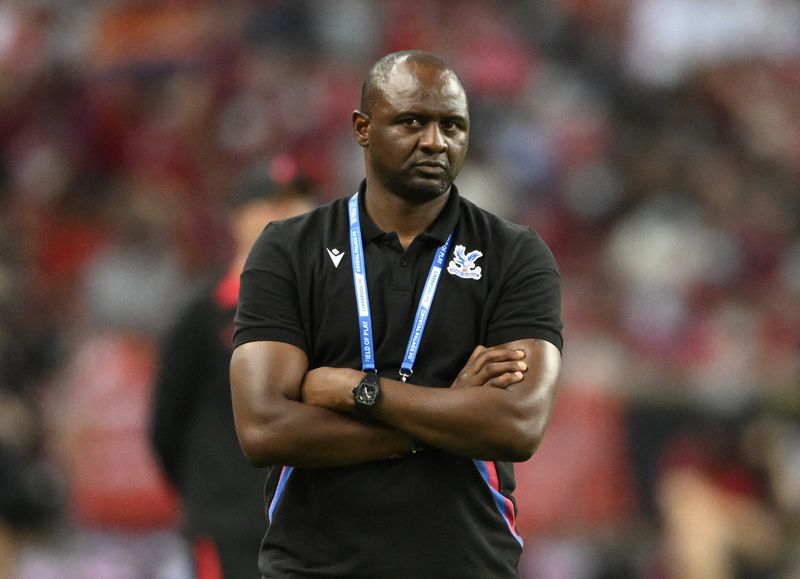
{"x":268,"y":308}
{"x":529,"y":300}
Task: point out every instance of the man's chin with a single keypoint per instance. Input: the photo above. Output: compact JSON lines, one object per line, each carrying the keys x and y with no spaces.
{"x":424,"y":190}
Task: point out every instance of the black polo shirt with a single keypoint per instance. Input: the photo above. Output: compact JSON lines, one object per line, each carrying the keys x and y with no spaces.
{"x":432,"y":514}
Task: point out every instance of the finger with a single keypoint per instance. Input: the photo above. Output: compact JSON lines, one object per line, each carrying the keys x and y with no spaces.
{"x":463,"y":377}
{"x":482,"y":356}
{"x":491,"y":355}
{"x":474,"y":371}
{"x":478,"y":351}
{"x":503,"y":353}
{"x":505,"y":380}
{"x":499,"y":368}
{"x":496,"y":356}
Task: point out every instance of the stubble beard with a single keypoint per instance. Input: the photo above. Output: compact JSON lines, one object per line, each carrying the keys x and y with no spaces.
{"x":418,"y":193}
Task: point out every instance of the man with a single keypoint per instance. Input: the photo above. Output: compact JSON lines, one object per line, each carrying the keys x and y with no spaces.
{"x":400,"y":469}
{"x":192,"y":428}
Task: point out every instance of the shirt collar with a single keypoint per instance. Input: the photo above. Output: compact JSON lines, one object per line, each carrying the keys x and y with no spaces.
{"x":442,"y":226}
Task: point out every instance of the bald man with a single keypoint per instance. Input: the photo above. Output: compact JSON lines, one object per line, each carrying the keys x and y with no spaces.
{"x":395,"y":351}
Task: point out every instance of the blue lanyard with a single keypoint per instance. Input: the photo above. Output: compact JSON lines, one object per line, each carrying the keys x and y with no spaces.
{"x":362,"y":298}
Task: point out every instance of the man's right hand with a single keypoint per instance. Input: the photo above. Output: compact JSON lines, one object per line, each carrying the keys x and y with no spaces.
{"x":498,"y":367}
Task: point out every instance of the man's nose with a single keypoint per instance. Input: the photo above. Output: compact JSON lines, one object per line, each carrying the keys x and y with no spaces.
{"x":432,"y":139}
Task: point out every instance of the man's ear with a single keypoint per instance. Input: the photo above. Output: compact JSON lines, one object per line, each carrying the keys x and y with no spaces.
{"x":361,"y":127}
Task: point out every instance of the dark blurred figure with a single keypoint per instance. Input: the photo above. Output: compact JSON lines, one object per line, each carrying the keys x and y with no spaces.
{"x":29,"y":502}
{"x":192,"y":424}
{"x":717,"y":504}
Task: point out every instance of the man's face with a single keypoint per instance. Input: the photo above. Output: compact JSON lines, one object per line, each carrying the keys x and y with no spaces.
{"x":417,"y":132}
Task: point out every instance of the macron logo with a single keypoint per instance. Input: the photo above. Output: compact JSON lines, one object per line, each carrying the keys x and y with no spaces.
{"x":335,"y":255}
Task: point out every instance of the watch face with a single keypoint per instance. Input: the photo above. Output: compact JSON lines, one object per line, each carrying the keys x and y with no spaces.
{"x":365,"y":395}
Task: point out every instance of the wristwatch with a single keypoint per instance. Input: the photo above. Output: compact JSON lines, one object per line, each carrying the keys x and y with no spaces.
{"x":366,"y":394}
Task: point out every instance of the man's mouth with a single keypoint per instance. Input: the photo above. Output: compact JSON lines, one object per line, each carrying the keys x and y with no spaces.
{"x":431,"y":167}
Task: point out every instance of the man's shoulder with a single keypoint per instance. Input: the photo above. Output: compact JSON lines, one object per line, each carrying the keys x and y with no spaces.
{"x":300,"y":238}
{"x":499,"y":228}
{"x":504,"y":240}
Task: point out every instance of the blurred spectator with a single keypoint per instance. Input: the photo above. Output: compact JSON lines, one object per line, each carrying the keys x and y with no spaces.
{"x":137,"y":280}
{"x":717,"y":506}
{"x":192,"y":429}
{"x":670,"y":38}
{"x":29,"y":503}
{"x":120,"y":509}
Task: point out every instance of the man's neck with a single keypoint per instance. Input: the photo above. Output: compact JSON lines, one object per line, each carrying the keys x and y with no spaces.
{"x":393,"y":213}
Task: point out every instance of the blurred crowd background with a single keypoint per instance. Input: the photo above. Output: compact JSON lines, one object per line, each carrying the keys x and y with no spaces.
{"x":653,"y":144}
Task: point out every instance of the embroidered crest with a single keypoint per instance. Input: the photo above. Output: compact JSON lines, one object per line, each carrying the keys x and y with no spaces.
{"x":463,"y":264}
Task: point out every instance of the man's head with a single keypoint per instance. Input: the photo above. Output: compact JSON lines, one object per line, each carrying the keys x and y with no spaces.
{"x":258,"y":199}
{"x":413,"y":124}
